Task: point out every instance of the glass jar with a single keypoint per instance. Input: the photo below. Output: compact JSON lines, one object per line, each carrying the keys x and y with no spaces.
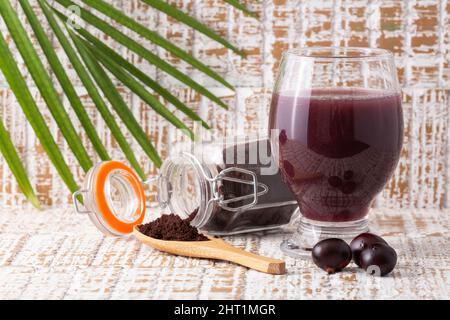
{"x":221,"y":192}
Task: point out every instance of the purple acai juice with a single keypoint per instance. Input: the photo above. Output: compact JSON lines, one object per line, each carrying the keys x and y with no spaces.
{"x":338,"y":148}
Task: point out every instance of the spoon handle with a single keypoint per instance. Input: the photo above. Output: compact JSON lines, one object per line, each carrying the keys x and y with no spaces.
{"x":225,"y":251}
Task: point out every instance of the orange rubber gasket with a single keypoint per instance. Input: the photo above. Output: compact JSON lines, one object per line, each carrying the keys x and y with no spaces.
{"x":102,"y":204}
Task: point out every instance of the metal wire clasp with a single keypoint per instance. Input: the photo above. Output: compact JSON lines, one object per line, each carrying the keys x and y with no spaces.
{"x":254,"y":195}
{"x":224,"y":175}
{"x":76,"y":204}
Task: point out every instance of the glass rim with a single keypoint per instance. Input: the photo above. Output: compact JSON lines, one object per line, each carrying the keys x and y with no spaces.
{"x":362,"y":53}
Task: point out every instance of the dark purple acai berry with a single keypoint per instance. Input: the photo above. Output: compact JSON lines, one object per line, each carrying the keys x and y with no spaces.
{"x":335,"y":181}
{"x":332,"y":255}
{"x":379,"y":259}
{"x":363,"y":241}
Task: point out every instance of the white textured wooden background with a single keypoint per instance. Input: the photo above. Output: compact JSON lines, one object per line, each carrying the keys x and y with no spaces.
{"x":57,"y":254}
{"x":418,"y":31}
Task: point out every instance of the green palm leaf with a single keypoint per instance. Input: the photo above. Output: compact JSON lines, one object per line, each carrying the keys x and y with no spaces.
{"x":88,"y":83}
{"x":89,"y":56}
{"x":190,"y":21}
{"x":140,"y":90}
{"x":121,"y":18}
{"x":113,"y":56}
{"x":19,"y":88}
{"x":15,"y":165}
{"x":44,"y":84}
{"x":143,"y":52}
{"x":63,"y":79}
{"x":116,"y":100}
{"x":241,"y":7}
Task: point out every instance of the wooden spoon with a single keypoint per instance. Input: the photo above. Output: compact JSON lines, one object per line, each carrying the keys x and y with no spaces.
{"x":214,"y":248}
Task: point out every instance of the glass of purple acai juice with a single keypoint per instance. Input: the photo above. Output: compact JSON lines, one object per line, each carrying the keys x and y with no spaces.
{"x":338,"y":120}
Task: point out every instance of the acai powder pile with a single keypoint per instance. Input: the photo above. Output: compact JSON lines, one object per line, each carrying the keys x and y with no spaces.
{"x":172,"y":227}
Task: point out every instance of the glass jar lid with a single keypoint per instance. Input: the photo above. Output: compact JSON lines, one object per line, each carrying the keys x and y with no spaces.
{"x":113,"y":197}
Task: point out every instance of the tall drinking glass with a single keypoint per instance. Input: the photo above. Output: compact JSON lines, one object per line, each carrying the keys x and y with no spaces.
{"x":339,"y":133}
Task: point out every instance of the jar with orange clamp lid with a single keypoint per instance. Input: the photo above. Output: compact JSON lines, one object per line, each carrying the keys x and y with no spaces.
{"x":219,"y":198}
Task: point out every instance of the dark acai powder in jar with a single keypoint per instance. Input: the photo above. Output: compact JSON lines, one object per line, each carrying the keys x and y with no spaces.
{"x":235,"y":188}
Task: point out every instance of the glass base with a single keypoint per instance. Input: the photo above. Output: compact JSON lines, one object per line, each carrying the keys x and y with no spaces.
{"x":310,"y":232}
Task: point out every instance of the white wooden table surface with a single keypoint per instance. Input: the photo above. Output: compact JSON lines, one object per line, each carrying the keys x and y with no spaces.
{"x":57,"y":254}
